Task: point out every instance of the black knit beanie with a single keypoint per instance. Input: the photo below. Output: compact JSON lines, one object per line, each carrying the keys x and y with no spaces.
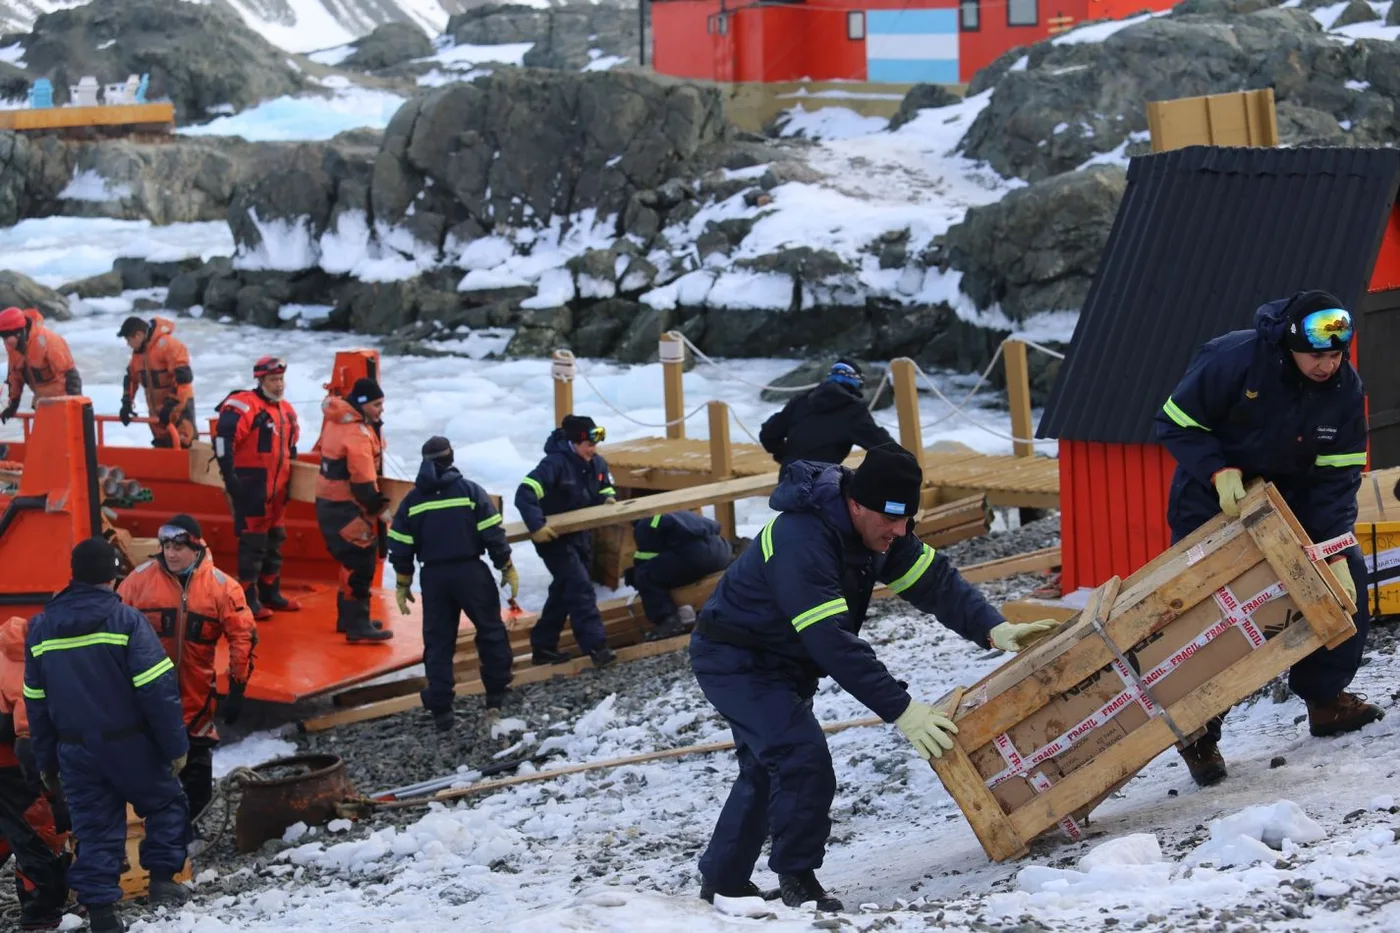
{"x":888,"y":480}
{"x":94,"y":561}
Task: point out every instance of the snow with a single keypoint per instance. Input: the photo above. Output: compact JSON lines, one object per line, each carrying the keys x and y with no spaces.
{"x":87,"y":185}
{"x":307,"y":116}
{"x":1097,"y":32}
{"x":604,"y":62}
{"x":249,"y":751}
{"x":1327,"y":17}
{"x":332,"y":56}
{"x":57,"y":250}
{"x":13,"y":54}
{"x":308,"y":25}
{"x":465,"y":55}
{"x":828,"y":123}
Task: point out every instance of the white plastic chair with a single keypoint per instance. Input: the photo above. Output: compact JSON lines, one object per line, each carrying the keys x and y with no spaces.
{"x":85,"y":91}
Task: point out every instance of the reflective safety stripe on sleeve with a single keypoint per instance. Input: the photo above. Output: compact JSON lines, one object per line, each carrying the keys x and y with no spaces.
{"x":1175,"y":413}
{"x":535,"y":485}
{"x":1342,"y":460}
{"x":489,"y":522}
{"x":656,"y":521}
{"x":152,"y":672}
{"x":34,"y":693}
{"x":400,"y":537}
{"x":79,"y":641}
{"x":644,"y":555}
{"x":607,"y":491}
{"x":765,"y":539}
{"x":814,"y":615}
{"x":912,"y":575}
{"x":460,"y":502}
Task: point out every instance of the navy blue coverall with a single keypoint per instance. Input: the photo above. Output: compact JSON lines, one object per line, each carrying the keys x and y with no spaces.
{"x":1244,"y":404}
{"x":448,"y":522}
{"x":104,"y":713}
{"x":786,"y":612}
{"x":563,"y":482}
{"x":672,"y":550}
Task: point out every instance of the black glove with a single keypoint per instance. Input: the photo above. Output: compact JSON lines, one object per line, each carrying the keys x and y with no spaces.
{"x":9,"y":411}
{"x":382,"y":532}
{"x":166,"y":411}
{"x":62,"y":819}
{"x":232,"y":706}
{"x":127,"y":412}
{"x":629,"y":576}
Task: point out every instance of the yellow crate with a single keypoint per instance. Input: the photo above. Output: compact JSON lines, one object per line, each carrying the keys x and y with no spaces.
{"x":1380,"y":543}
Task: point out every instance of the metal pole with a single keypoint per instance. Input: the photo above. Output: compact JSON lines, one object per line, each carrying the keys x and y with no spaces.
{"x":641,"y":32}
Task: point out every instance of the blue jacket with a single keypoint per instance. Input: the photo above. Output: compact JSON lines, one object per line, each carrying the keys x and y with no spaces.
{"x":802,"y":589}
{"x":446,"y":517}
{"x":1244,"y":404}
{"x":95,"y":666}
{"x":562,"y":482}
{"x":671,"y":532}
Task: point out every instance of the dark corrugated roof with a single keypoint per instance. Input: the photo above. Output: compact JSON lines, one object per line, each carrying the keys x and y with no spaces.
{"x":1203,"y":236}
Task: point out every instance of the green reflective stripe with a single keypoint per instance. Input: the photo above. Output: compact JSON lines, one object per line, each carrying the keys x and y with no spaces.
{"x":491,"y":522}
{"x":608,"y":491}
{"x":152,"y":672}
{"x":535,"y":485}
{"x":814,"y":615}
{"x":461,"y":502}
{"x":79,"y":641}
{"x":1342,"y":460}
{"x":31,"y":693}
{"x":400,"y":536}
{"x":645,"y":555}
{"x":912,"y":575}
{"x":656,"y":521}
{"x":765,"y":538}
{"x":1175,"y":413}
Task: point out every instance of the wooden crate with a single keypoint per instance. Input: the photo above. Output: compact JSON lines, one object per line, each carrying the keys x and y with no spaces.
{"x":135,"y":879}
{"x":1047,"y":736}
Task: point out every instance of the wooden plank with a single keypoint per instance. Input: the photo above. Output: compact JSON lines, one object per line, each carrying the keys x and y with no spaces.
{"x":673,"y":383}
{"x":989,"y":823}
{"x":1379,"y":497}
{"x":906,"y":404}
{"x":1033,"y":610}
{"x":722,"y":465}
{"x":1018,"y":396}
{"x":1034,"y":562}
{"x":53,"y":118}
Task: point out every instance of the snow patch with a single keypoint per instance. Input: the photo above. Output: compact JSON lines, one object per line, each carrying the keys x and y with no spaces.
{"x":1098,"y":32}
{"x":828,"y":123}
{"x":332,"y":56}
{"x":306,"y":117}
{"x":88,"y":185}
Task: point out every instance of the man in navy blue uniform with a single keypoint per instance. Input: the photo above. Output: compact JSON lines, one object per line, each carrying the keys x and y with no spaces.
{"x":1280,"y":403}
{"x":826,"y":422}
{"x":571,"y":476}
{"x":672,"y":550}
{"x":447,"y":522}
{"x":105,"y":721}
{"x":788,"y":611}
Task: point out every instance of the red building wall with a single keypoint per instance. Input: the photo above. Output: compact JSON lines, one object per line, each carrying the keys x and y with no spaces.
{"x":1113,"y":509}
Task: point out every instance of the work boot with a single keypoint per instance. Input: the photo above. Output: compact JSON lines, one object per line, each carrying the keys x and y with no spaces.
{"x":165,"y":891}
{"x":603,"y":656}
{"x":259,"y":611}
{"x":38,"y":915}
{"x":550,"y":656}
{"x":443,"y":720}
{"x":342,"y":614}
{"x":1346,"y":712}
{"x":668,"y":627}
{"x":270,"y":595}
{"x":102,"y":918}
{"x":803,"y":887}
{"x":359,"y":629}
{"x":747,"y":889}
{"x":1204,"y":761}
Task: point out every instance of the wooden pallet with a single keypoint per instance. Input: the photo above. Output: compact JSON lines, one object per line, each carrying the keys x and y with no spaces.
{"x":1028,"y":756}
{"x":136,"y":879}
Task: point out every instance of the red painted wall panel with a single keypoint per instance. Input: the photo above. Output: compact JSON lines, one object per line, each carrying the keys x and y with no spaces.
{"x":680,"y":45}
{"x":1386,"y":274}
{"x":1113,"y":507}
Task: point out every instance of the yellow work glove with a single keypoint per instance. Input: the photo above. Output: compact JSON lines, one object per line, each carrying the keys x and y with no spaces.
{"x":926,"y":728}
{"x":1229,"y":487}
{"x":1342,"y":572}
{"x":402,"y":594}
{"x":510,"y":578}
{"x":544,"y":535}
{"x":610,"y":500}
{"x":178,"y":765}
{"x":1018,"y":636}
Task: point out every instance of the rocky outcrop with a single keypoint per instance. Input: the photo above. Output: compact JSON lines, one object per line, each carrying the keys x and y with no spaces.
{"x":32,"y":174}
{"x":18,"y":290}
{"x":922,"y":97}
{"x":389,"y":45}
{"x":567,"y":37}
{"x":199,"y":56}
{"x":1073,"y":101}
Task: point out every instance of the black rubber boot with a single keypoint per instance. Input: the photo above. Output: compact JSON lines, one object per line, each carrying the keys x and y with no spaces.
{"x":250,"y":594}
{"x":747,"y":889}
{"x":550,"y":656}
{"x":443,"y":720}
{"x":358,"y":627}
{"x":603,"y":656}
{"x":803,"y":888}
{"x":270,"y":595}
{"x":165,"y":891}
{"x":668,"y":627}
{"x":102,"y":918}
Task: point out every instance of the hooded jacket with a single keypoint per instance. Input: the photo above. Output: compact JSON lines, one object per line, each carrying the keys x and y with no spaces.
{"x":162,"y":368}
{"x":44,"y":363}
{"x":562,"y":482}
{"x":94,"y":670}
{"x":12,"y":709}
{"x":800,"y":593}
{"x":348,"y":499}
{"x":823,"y":424}
{"x":446,"y":518}
{"x":1243,"y":403}
{"x":255,"y":443}
{"x":675,"y":532}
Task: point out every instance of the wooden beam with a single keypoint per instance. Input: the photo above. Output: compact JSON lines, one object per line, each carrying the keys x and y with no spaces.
{"x":906,"y":404}
{"x":722,"y":465}
{"x":562,"y":370}
{"x":204,"y":470}
{"x":672,"y":353}
{"x":1035,"y":562}
{"x":989,"y":822}
{"x":1018,"y":396}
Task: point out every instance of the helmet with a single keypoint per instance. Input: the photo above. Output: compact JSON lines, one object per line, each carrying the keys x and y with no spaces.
{"x":269,"y":366}
{"x":846,"y":374}
{"x":11,"y":320}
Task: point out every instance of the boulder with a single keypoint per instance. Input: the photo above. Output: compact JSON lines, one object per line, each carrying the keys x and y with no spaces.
{"x":32,"y":174}
{"x":137,"y":273}
{"x":922,"y":97}
{"x":987,"y":78}
{"x":1357,"y":11}
{"x":814,"y":371}
{"x":18,"y":290}
{"x":602,"y":324}
{"x":199,"y":56}
{"x":388,"y":45}
{"x":106,"y":285}
{"x":1038,"y":248}
{"x":569,"y":36}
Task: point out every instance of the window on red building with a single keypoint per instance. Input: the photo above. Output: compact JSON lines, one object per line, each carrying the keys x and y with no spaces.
{"x":1022,"y":12}
{"x":971,"y":15}
{"x":855,"y":24}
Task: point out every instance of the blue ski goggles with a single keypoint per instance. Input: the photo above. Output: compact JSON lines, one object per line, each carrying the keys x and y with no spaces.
{"x":1329,"y":329}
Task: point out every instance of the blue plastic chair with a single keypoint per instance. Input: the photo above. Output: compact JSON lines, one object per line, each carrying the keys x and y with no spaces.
{"x":41,"y":94}
{"x":141,"y":88}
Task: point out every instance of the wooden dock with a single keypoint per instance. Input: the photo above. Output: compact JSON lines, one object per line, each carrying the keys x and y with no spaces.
{"x":105,"y":119}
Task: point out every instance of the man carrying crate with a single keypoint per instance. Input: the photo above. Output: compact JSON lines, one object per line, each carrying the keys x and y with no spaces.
{"x":789,"y":611}
{"x":1279,"y":403}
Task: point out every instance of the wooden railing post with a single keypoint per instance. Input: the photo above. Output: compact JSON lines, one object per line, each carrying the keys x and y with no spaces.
{"x":1018,"y":396}
{"x":721,"y":464}
{"x":672,"y":353}
{"x":906,"y":404}
{"x":562,"y":369}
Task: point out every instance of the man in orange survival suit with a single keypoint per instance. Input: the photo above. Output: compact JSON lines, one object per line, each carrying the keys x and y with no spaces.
{"x":160,"y":364}
{"x":27,"y":822}
{"x":192,"y":603}
{"x":256,"y":444}
{"x":39,"y":358}
{"x":349,"y":503}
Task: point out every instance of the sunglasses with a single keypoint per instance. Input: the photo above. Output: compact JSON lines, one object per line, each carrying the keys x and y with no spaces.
{"x":1325,"y":329}
{"x":174,"y":534}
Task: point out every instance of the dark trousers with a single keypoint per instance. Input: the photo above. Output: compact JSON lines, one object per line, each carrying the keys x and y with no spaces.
{"x":259,"y":552}
{"x":450,"y":589}
{"x":99,"y":781}
{"x":198,"y":777}
{"x":656,"y":577}
{"x":36,"y":863}
{"x":571,"y":595}
{"x":357,"y":568}
{"x":786,"y":782}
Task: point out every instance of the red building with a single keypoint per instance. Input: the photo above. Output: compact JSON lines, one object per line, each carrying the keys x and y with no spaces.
{"x":1203,"y":236}
{"x":880,"y":41}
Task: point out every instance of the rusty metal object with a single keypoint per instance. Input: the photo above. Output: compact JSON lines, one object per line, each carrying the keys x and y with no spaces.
{"x":299,"y":789}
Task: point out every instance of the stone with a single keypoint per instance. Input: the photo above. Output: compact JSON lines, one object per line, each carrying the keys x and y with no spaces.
{"x":18,"y":290}
{"x":256,"y":305}
{"x":106,"y":285}
{"x":33,"y":171}
{"x":567,"y":37}
{"x":1357,"y":11}
{"x":221,"y":295}
{"x":922,"y":97}
{"x":989,"y":76}
{"x":388,"y":45}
